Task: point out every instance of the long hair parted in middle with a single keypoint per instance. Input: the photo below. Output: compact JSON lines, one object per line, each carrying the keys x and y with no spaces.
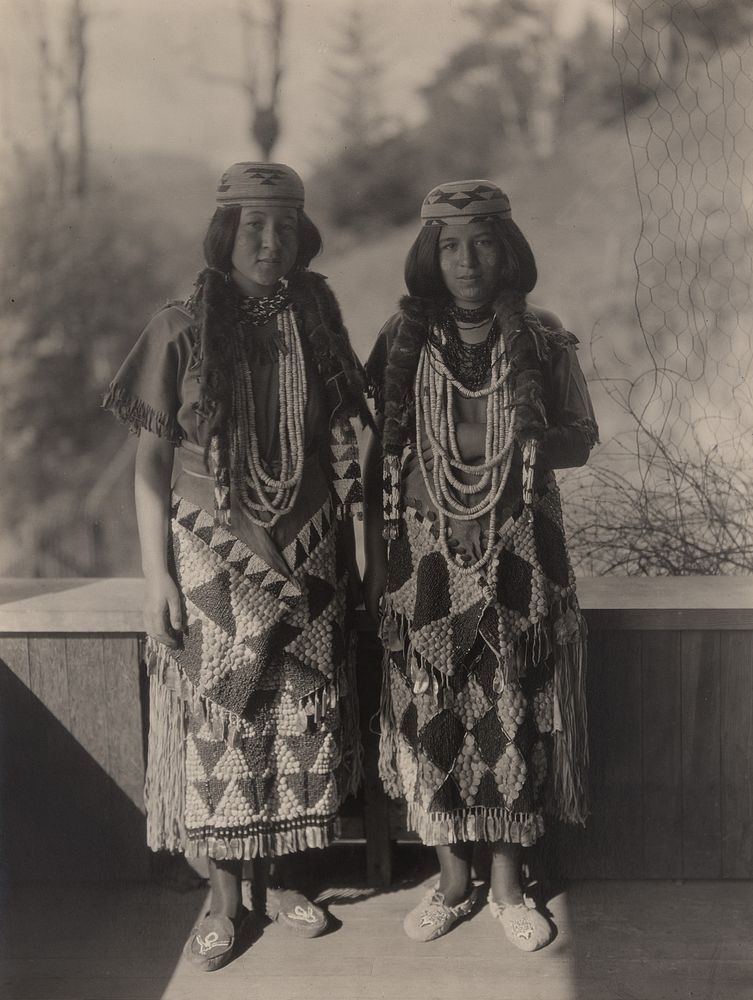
{"x":423,"y":277}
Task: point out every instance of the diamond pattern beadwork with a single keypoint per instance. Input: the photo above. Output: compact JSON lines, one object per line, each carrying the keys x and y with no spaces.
{"x":471,"y":658}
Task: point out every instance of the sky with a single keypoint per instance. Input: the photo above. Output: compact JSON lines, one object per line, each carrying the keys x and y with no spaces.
{"x":150,"y":61}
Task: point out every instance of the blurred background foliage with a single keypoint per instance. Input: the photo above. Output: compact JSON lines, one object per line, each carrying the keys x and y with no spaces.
{"x":624,"y":137}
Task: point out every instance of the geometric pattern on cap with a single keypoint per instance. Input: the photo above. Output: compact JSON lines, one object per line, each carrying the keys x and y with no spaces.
{"x":275,"y":183}
{"x":464,"y":197}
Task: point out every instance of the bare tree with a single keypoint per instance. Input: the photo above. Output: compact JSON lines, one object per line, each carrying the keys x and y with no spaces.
{"x":61,"y":85}
{"x":51,"y":99}
{"x":260,"y":81}
{"x":77,"y":57}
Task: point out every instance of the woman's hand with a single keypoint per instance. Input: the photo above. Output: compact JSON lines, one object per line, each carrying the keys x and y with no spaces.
{"x":163,"y":618}
{"x":374,"y":585}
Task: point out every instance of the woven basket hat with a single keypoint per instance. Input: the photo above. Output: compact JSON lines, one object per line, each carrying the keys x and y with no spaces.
{"x":462,"y":202}
{"x":254,"y":183}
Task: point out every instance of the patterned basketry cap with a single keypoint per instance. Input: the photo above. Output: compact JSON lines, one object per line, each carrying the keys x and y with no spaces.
{"x":461,"y":202}
{"x":252,"y":183}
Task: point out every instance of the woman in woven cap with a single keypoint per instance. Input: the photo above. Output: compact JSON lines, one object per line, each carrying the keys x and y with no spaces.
{"x":479,"y":398}
{"x":243,"y":397}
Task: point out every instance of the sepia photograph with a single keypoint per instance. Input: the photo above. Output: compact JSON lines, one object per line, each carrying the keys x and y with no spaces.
{"x":376,"y":573}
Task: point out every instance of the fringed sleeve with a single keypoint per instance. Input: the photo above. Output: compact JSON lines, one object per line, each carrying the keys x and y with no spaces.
{"x":145,"y":394}
{"x":573,"y":430}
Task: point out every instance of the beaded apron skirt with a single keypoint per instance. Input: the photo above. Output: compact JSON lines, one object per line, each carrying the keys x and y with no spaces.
{"x":483,"y":716}
{"x":253,"y":740}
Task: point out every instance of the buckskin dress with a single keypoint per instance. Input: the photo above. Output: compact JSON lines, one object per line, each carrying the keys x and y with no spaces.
{"x":483,"y":723}
{"x":253,"y":735}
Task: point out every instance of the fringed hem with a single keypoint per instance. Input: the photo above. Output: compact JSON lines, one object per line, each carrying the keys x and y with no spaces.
{"x":165,"y":783}
{"x":160,"y":665}
{"x":388,"y":746}
{"x":262,"y":844}
{"x":475,"y":824}
{"x":568,"y":797}
{"x":138,"y":415}
{"x":172,"y":698}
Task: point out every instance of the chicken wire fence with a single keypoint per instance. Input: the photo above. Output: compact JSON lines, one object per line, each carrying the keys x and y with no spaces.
{"x":672,"y":497}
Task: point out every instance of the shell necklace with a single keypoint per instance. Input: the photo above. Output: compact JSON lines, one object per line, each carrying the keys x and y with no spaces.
{"x":436,"y":387}
{"x":263,"y":497}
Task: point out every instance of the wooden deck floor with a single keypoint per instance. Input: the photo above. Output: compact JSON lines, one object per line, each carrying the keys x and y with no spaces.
{"x":616,"y":941}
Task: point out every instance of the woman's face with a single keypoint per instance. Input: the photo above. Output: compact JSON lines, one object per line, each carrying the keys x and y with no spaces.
{"x":469,"y":258}
{"x":266,"y":246}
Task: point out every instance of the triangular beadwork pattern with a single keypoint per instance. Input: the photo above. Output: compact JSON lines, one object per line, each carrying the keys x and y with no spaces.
{"x":269,"y":715}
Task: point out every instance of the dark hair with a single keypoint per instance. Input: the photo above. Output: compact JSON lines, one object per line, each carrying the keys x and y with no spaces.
{"x":215,"y":302}
{"x":220,"y":238}
{"x":423,"y":276}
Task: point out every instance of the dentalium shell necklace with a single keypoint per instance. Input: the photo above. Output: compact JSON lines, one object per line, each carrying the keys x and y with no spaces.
{"x":258,"y":491}
{"x":435,"y":391}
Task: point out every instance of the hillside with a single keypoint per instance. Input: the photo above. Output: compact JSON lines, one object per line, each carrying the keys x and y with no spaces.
{"x":578,"y":210}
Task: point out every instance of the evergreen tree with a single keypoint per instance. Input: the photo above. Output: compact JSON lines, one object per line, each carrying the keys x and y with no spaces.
{"x":358,"y":122}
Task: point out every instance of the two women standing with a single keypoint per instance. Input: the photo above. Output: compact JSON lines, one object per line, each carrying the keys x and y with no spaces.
{"x":247,"y":475}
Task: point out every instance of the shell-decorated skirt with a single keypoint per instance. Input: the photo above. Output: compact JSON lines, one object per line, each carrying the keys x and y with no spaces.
{"x":253,"y":739}
{"x":483,"y":717}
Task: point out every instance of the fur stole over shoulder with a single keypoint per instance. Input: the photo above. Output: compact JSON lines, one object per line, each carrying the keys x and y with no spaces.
{"x":322,"y":325}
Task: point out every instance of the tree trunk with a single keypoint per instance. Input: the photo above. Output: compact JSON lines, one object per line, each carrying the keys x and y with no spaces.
{"x":78,"y":59}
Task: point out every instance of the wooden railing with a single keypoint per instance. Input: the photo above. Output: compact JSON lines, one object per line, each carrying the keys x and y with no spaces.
{"x":671,"y":723}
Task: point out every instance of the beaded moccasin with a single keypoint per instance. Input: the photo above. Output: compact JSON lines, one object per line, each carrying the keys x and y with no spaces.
{"x":433,"y":917}
{"x":216,"y":940}
{"x":294,"y":911}
{"x":524,"y":926}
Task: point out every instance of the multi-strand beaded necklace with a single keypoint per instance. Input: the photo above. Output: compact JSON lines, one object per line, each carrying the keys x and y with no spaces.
{"x":522,"y":347}
{"x":305,"y":309}
{"x":436,"y":388}
{"x":265,"y":497}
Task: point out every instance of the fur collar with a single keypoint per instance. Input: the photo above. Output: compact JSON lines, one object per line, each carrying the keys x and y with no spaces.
{"x":342,"y":373}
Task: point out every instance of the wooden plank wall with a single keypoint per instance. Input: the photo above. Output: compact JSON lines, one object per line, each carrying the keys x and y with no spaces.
{"x":71,"y":757}
{"x":671,"y":724}
{"x":671,"y":739}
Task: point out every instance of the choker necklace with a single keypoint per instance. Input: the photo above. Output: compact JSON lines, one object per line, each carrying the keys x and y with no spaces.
{"x":473,"y":326}
{"x":253,"y":311}
{"x":471,"y":315}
